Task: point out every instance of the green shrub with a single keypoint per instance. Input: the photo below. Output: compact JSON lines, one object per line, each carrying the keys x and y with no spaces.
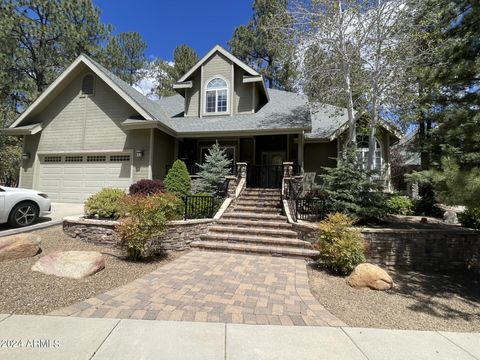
{"x":341,"y":247}
{"x":178,"y":179}
{"x":145,"y":218}
{"x":352,"y":190}
{"x":400,"y":205}
{"x":105,"y":204}
{"x":470,"y":217}
{"x":215,"y":168}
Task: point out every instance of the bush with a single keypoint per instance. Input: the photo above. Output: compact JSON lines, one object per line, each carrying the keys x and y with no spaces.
{"x":470,"y":217}
{"x":178,"y":180}
{"x":144,"y":219}
{"x":146,"y":187}
{"x":215,"y":168}
{"x":105,"y":204}
{"x":341,"y":247}
{"x":352,"y":190}
{"x":400,"y":205}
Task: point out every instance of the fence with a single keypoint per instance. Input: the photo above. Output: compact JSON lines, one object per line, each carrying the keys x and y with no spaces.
{"x":199,"y":206}
{"x":310,"y":209}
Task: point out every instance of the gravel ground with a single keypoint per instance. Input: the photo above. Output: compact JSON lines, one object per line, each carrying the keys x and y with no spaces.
{"x":23,"y":291}
{"x":420,"y":301}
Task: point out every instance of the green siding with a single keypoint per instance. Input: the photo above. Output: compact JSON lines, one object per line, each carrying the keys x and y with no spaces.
{"x":318,"y":155}
{"x":243,"y":93}
{"x":192,"y":103}
{"x":163,"y":153}
{"x":215,"y":66}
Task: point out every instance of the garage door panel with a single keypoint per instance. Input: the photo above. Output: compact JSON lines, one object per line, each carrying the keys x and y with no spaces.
{"x":75,"y":182}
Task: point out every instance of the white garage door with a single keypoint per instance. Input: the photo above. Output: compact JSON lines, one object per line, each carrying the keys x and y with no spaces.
{"x":73,"y":178}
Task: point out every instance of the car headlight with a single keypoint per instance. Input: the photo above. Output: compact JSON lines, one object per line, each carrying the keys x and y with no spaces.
{"x":45,"y":196}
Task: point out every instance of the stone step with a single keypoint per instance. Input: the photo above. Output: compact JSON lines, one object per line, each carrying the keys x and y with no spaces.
{"x":258,"y":202}
{"x":253,"y":239}
{"x":256,"y":231}
{"x":253,"y":216}
{"x":255,"y":223}
{"x":255,"y":209}
{"x":256,"y":249}
{"x":261,"y":193}
{"x":264,"y":190}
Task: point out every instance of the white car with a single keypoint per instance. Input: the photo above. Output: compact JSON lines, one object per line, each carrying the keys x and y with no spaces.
{"x":22,"y":207}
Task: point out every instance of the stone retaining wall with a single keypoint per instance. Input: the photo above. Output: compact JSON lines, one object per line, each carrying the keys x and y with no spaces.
{"x":102,"y":232}
{"x":422,"y":249}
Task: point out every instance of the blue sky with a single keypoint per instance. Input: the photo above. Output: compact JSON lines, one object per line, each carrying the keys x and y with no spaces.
{"x":165,"y":24}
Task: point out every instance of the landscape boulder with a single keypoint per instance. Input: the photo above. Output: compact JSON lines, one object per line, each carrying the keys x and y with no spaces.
{"x":370,"y":276}
{"x":70,"y":264}
{"x":19,"y":246}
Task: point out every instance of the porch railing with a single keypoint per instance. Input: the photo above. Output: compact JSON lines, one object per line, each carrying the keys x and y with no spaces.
{"x":302,"y":207}
{"x":199,"y":207}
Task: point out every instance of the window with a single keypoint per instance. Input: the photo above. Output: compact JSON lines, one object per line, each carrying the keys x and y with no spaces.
{"x":216,"y":96}
{"x":52,"y":159}
{"x":120,"y":158}
{"x":96,"y":158}
{"x":87,"y":84}
{"x":362,"y":153}
{"x":73,"y":158}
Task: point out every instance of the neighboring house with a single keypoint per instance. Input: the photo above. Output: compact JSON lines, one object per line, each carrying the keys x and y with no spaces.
{"x":89,"y":129}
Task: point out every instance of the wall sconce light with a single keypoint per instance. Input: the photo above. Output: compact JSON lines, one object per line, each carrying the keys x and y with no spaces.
{"x":139,"y":153}
{"x":25,"y":156}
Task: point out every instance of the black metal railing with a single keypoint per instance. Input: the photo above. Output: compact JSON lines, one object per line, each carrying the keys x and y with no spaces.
{"x":313,"y":209}
{"x":199,"y":207}
{"x":265,"y":176}
{"x":304,"y":206}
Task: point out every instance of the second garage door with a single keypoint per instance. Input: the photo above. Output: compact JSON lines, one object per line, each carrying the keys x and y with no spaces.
{"x":73,"y":178}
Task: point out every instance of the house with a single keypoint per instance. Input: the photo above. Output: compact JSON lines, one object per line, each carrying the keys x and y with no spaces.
{"x":90,"y":130}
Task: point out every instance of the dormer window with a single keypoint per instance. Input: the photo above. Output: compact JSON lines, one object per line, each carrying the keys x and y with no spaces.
{"x":88,"y":85}
{"x":216,"y":96}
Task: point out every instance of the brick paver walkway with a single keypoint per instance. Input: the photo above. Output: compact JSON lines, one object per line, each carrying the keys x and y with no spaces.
{"x":217,"y":287}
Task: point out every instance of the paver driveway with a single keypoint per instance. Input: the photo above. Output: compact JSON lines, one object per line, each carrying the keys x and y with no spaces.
{"x":217,"y":287}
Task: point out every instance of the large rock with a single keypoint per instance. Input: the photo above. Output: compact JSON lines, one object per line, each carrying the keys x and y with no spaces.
{"x":19,"y":246}
{"x":70,"y":264}
{"x":370,"y":276}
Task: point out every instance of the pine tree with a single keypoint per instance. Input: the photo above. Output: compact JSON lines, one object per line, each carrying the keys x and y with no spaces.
{"x":450,"y":80}
{"x":184,"y":58}
{"x":125,"y":56}
{"x":350,"y":190}
{"x":178,"y":179}
{"x":214,"y":170}
{"x":267,"y":43}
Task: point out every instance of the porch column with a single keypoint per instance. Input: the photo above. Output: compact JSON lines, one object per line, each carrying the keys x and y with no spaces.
{"x":301,"y":142}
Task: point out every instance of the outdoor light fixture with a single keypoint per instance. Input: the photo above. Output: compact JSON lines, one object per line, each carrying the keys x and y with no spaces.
{"x":139,"y":153}
{"x":26,"y":156}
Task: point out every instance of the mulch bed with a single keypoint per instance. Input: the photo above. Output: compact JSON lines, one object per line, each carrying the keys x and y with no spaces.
{"x":420,"y":301}
{"x":23,"y":291}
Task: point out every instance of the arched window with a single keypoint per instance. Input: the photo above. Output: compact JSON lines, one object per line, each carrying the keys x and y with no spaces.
{"x":362,"y":153}
{"x":216,"y":96}
{"x":87,"y":85}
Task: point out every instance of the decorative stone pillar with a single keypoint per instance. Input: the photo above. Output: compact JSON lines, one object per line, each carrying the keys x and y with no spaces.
{"x":242,"y":169}
{"x":231,"y":185}
{"x":287,"y":169}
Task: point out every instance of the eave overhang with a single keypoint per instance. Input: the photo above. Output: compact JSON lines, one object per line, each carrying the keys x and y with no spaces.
{"x":23,"y":130}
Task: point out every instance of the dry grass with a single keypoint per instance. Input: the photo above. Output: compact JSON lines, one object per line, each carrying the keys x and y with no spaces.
{"x":420,"y":301}
{"x":23,"y":291}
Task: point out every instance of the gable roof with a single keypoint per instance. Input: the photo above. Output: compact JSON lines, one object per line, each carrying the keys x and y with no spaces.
{"x":228,"y":55}
{"x":144,"y":106}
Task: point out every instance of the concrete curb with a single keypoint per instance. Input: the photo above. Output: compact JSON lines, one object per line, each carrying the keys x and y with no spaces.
{"x":40,"y":226}
{"x":55,"y":337}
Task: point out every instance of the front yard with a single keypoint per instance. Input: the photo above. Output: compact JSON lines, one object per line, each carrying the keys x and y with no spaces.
{"x":27,"y":292}
{"x":420,"y":301}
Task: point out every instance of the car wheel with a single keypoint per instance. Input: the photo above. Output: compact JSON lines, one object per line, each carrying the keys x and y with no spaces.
{"x":23,"y":214}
